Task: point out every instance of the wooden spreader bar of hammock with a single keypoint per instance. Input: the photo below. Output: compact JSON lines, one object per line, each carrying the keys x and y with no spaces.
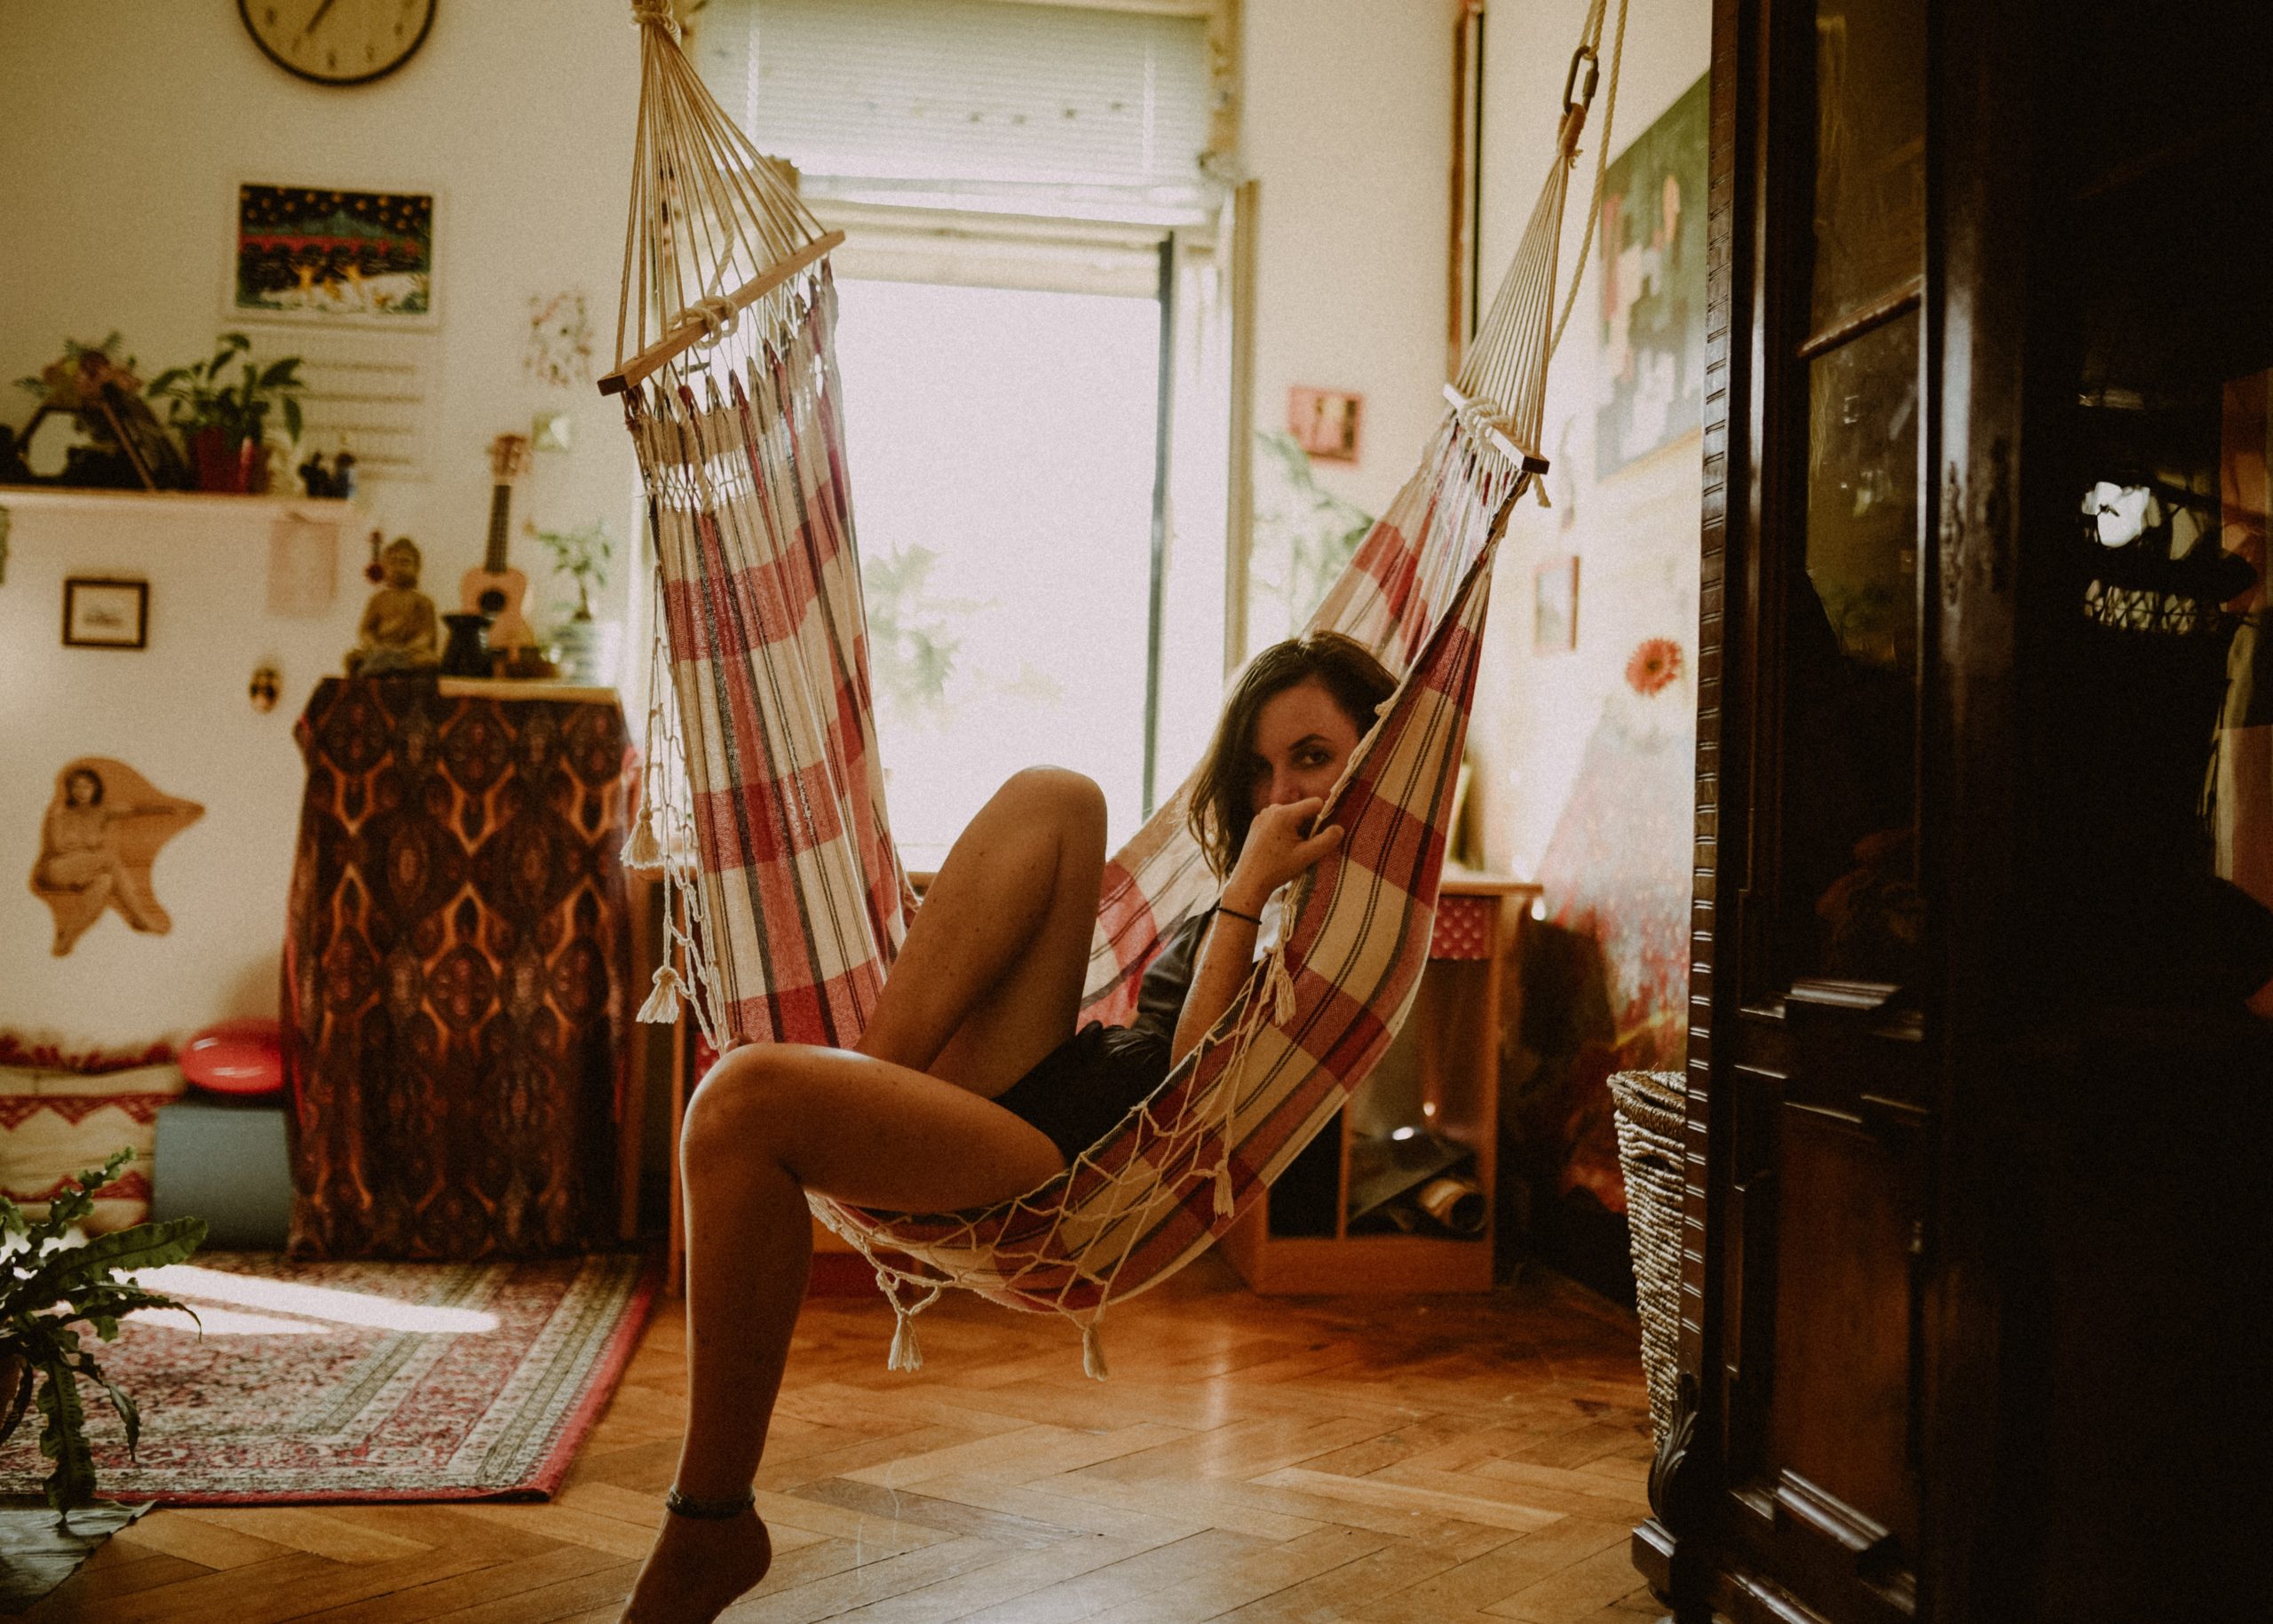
{"x":694,"y":326}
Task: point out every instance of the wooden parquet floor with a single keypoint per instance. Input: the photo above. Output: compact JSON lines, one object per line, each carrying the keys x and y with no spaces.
{"x":1414,"y":1460}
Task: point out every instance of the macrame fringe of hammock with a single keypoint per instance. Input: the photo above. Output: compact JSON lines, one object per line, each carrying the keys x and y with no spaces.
{"x":728,"y":266}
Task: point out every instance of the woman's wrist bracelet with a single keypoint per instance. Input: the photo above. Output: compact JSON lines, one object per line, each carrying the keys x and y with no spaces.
{"x":1254,"y":919}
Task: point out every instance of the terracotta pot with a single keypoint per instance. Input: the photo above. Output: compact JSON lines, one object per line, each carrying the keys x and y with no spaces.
{"x":224,"y":463}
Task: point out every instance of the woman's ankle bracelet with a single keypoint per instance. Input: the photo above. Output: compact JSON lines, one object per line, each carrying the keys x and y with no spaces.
{"x":708,"y":1510}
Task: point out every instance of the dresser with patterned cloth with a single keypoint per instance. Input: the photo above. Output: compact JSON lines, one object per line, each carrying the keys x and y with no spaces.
{"x":455,"y":970}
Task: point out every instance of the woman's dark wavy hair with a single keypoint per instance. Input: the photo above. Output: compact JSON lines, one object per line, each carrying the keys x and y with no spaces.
{"x":1223,"y":794}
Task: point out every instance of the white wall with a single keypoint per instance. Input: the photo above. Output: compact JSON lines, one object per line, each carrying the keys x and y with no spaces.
{"x":1346,"y":123}
{"x":125,"y":127}
{"x":177,"y":713}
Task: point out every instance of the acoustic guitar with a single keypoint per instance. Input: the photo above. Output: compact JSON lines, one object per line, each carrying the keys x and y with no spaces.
{"x":495,"y":590}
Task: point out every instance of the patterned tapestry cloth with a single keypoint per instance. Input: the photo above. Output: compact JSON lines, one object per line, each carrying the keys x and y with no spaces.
{"x":358,"y":1380}
{"x":454,"y":966}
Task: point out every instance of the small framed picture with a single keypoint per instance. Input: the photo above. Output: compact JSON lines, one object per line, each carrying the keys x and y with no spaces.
{"x":105,"y":613}
{"x":1555,"y":606}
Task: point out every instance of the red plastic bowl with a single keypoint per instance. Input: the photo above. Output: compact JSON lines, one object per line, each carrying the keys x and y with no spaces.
{"x":237,"y":1056}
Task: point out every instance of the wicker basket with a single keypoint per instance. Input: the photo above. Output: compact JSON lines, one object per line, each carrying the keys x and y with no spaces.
{"x":1651,"y":1106}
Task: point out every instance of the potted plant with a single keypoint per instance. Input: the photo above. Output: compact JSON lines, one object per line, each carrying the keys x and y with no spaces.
{"x":50,"y":1286}
{"x":223,"y":419}
{"x":583,"y":555}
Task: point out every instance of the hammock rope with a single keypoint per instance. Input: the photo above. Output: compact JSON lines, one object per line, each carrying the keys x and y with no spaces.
{"x":763,"y":807}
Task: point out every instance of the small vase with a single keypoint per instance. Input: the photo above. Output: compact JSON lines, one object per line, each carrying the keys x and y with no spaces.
{"x":467,"y":652}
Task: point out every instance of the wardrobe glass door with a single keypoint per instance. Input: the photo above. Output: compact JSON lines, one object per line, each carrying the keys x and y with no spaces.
{"x":1850,"y":908}
{"x":1851,"y":904}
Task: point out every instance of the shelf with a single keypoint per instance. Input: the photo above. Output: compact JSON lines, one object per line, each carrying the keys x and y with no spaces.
{"x":1450,"y":1052}
{"x":523,"y":687}
{"x":64,"y":498}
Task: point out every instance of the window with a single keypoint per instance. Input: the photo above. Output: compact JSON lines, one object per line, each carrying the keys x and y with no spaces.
{"x":1032,"y":340}
{"x":1000,"y":105}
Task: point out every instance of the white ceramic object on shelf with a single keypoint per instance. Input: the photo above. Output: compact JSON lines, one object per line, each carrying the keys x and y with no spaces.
{"x":584,"y":649}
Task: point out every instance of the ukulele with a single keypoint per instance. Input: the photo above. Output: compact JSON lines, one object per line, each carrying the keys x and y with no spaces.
{"x":494,"y":590}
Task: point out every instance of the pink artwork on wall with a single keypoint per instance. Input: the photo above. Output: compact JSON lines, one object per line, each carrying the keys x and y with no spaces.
{"x":1324,"y":421}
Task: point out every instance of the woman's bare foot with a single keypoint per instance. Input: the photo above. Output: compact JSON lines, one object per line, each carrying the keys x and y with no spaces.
{"x":698,"y":1567}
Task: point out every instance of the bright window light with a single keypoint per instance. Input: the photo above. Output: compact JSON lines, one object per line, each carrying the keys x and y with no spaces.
{"x":1002,"y":442}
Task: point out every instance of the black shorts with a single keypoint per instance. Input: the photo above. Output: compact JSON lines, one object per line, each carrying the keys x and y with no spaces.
{"x":1083,"y":1089}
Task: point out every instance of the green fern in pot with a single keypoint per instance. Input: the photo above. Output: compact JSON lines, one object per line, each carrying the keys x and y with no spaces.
{"x":48,"y":1288}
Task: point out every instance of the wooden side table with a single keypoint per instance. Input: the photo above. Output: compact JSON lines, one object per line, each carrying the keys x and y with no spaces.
{"x":1453,"y":1035}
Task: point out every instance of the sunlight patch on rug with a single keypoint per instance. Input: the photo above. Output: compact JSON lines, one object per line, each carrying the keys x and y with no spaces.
{"x":198,"y":1286}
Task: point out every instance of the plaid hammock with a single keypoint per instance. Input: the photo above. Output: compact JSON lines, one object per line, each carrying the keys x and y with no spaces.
{"x":764,"y":806}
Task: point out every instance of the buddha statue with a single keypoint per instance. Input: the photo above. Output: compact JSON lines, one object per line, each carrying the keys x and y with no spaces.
{"x":399,"y":632}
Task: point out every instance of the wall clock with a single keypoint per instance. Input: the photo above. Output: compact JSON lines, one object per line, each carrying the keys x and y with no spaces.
{"x":338,"y":42}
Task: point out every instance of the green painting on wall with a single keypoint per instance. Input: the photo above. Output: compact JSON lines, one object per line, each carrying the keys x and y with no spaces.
{"x":1653,"y":287}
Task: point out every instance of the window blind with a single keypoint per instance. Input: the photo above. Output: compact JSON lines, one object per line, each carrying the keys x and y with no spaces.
{"x":1039,"y":108}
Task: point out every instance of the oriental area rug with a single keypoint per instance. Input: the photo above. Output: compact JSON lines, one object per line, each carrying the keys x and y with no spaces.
{"x":346,"y":1381}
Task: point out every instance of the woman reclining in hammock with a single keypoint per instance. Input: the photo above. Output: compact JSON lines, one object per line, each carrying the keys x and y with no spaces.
{"x":970,"y":1084}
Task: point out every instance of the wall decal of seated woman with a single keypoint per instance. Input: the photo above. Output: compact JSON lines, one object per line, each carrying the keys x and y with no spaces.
{"x":100,"y":834}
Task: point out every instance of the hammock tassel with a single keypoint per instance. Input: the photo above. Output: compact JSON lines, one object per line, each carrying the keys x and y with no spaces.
{"x":1093,"y":1353}
{"x":1282,"y":990}
{"x":906,"y":1353}
{"x":1224,"y":1204}
{"x":661,"y":1007}
{"x":643,"y":852}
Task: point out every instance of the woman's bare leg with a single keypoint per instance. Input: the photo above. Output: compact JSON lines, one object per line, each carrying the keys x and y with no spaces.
{"x":768,"y":1123}
{"x":989,"y":980}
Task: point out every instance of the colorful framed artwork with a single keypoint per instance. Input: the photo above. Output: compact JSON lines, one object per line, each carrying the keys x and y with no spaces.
{"x":332,"y":254}
{"x":1555,"y":606}
{"x":1324,"y":423}
{"x":1653,"y":288}
{"x":103,"y":613}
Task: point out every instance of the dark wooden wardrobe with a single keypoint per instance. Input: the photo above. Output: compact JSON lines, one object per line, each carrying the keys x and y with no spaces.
{"x":1978,"y":1102}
